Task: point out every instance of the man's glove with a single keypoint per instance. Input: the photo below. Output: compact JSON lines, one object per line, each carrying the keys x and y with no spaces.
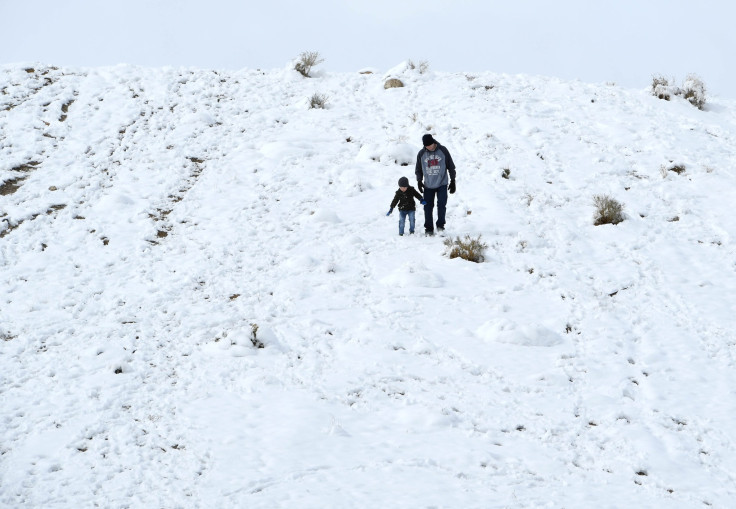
{"x":420,"y":186}
{"x":423,"y":202}
{"x":452,"y":186}
{"x":389,"y":211}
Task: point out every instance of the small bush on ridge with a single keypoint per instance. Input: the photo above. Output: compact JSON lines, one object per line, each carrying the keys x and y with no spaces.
{"x":693,"y":89}
{"x":661,"y":87}
{"x":422,"y":67}
{"x":607,"y":210}
{"x":306,"y":61}
{"x":469,"y":249}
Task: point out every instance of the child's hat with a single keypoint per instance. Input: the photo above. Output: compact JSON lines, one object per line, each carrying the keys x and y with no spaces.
{"x":403,"y":182}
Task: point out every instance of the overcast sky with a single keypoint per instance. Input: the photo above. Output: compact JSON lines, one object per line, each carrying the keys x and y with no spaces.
{"x":623,"y":41}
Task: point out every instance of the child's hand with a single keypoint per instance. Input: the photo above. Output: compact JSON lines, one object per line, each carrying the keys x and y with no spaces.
{"x":389,"y":212}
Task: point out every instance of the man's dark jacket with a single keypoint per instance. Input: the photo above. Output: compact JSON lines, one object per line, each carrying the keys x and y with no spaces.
{"x":433,"y":166}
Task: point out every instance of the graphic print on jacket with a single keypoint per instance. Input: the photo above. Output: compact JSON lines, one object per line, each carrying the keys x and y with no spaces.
{"x":433,"y":166}
{"x":435,"y":174}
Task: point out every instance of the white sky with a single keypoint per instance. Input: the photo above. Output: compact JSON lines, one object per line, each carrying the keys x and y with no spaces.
{"x":625,"y":42}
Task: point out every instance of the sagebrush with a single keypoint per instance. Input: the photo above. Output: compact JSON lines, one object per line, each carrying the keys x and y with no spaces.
{"x":468,"y":248}
{"x":661,"y":87}
{"x":318,"y":101}
{"x":693,"y":89}
{"x":607,"y":210}
{"x":307,"y":60}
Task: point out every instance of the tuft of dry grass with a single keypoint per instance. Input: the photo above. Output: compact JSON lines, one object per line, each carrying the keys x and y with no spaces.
{"x":468,"y":248}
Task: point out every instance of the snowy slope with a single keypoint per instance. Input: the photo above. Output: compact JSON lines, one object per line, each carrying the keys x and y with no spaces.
{"x":150,"y":218}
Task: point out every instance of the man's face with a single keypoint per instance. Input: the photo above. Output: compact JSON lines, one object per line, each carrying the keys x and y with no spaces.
{"x":431,"y":147}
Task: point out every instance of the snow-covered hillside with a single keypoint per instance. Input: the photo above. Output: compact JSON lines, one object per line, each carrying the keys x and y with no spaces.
{"x":152,"y":219}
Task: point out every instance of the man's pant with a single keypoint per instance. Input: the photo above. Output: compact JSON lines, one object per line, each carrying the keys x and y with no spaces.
{"x":429,"y":194}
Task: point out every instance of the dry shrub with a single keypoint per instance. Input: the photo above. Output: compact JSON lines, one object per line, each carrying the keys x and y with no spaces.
{"x":661,"y":87}
{"x":607,"y":210}
{"x":693,"y":89}
{"x":468,"y":248}
{"x":317,"y":101}
{"x":422,"y":66}
{"x":306,"y":61}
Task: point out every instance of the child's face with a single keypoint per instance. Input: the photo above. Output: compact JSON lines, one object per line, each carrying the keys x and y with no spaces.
{"x":403,"y":188}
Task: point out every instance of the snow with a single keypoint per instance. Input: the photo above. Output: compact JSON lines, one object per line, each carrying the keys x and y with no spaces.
{"x":164,"y":214}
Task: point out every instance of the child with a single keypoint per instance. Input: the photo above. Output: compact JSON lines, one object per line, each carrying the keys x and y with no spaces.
{"x":405,"y":198}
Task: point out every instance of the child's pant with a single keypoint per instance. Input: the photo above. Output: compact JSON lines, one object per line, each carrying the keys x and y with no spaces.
{"x":402,"y":220}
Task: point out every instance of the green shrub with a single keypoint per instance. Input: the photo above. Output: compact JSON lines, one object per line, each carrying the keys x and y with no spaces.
{"x":607,"y":210}
{"x":469,"y":249}
{"x":306,"y":61}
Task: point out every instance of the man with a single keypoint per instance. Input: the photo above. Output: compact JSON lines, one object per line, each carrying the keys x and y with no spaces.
{"x":433,"y":164}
